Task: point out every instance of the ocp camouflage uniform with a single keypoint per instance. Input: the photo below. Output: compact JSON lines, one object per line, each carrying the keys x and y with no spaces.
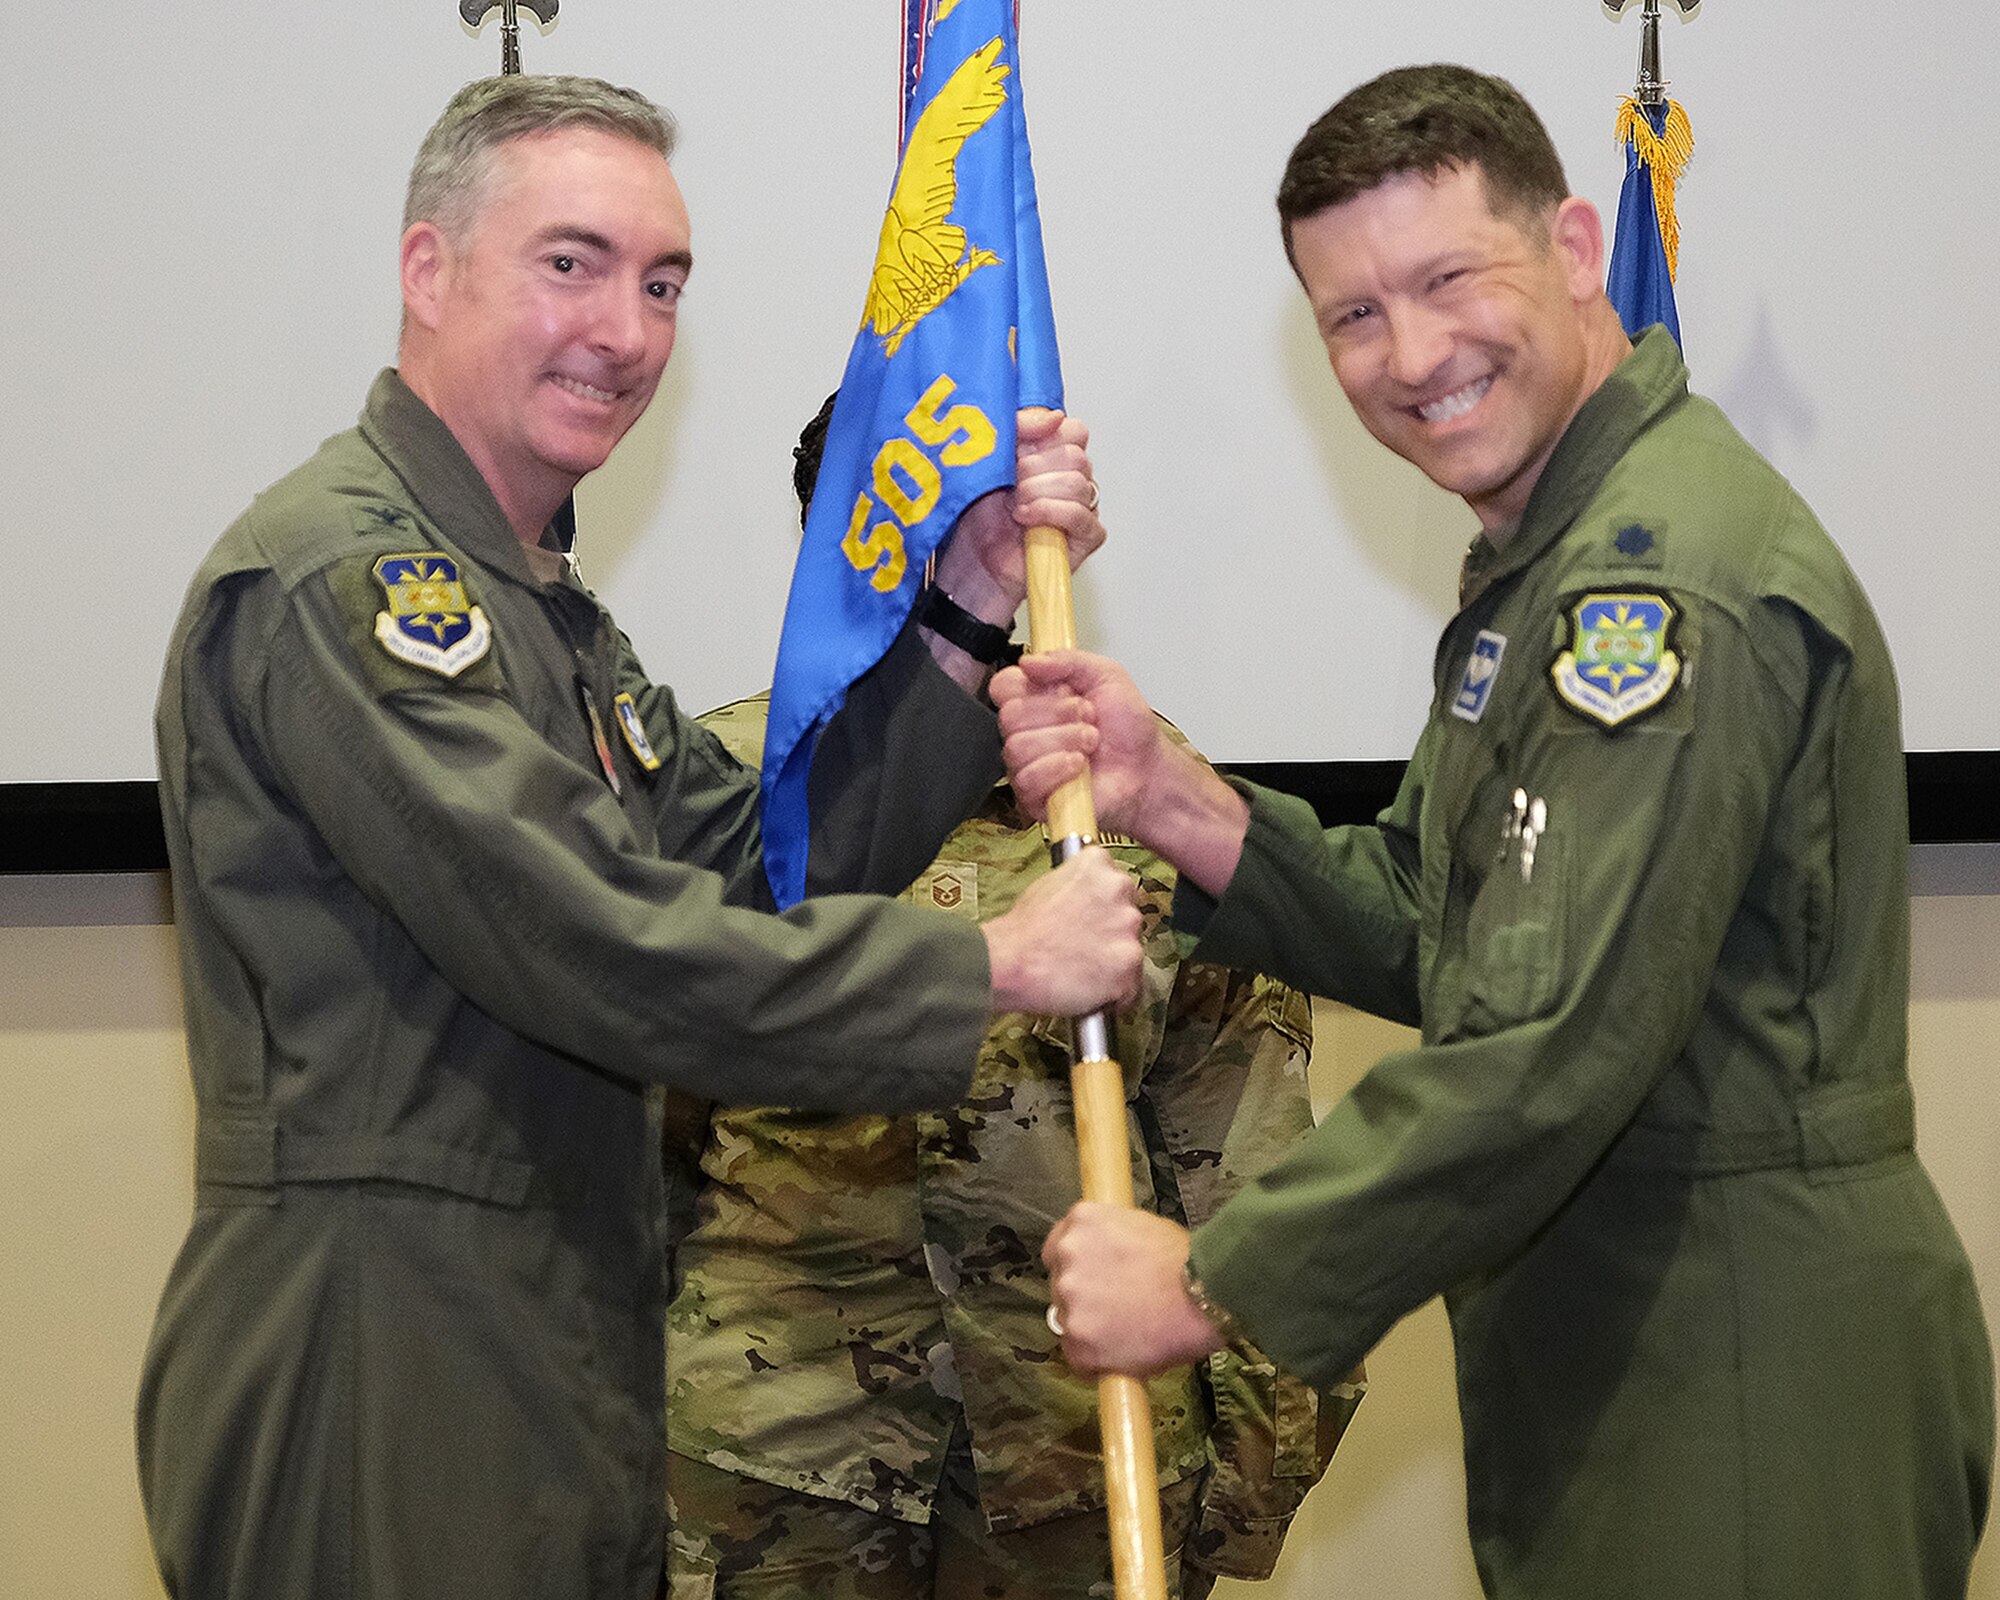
{"x":858,"y":1289}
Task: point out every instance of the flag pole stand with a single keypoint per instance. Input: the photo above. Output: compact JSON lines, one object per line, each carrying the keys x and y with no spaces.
{"x":1097,"y":1088}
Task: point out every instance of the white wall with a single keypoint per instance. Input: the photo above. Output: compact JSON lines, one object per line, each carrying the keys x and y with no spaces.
{"x":197,"y":282}
{"x":95,"y":1187}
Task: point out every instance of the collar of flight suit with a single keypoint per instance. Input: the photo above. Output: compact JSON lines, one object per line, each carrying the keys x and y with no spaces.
{"x":441,"y":478}
{"x":1646,"y":383}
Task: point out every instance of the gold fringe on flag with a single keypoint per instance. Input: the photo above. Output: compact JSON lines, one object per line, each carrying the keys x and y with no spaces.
{"x":1666,"y":155}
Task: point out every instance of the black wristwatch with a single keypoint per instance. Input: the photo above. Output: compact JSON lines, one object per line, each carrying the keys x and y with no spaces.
{"x":983,"y":641}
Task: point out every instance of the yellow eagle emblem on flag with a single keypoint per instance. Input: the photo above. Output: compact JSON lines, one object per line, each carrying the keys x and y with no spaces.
{"x":922,"y":258}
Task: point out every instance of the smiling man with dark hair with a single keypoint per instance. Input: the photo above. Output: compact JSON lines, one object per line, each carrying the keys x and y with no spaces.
{"x":1644,"y":893}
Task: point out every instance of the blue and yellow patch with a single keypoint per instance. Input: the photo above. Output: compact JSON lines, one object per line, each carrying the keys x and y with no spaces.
{"x":627,"y":711}
{"x":1620,"y":663}
{"x":431,"y":621}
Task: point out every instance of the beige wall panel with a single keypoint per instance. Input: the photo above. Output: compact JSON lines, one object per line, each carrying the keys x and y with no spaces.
{"x":95,"y":1187}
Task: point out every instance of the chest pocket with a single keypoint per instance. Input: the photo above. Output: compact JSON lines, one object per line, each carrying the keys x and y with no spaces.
{"x":1507,"y":906}
{"x":1514,"y":937}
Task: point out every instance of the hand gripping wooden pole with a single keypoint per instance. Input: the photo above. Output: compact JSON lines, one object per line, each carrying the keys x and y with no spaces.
{"x":1097,"y":1086}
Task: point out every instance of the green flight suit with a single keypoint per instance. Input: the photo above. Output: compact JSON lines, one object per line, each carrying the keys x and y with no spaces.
{"x":457,"y":890}
{"x":859,"y":1291}
{"x":1715,"y":1335}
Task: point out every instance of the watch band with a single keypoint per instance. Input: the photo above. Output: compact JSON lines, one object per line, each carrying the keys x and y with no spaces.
{"x":983,"y":641}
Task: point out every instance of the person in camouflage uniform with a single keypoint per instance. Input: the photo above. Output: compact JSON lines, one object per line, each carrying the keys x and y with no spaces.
{"x":865,"y":1397}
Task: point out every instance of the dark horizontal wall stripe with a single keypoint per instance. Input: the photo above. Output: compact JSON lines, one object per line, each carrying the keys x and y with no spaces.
{"x":115,"y":827}
{"x":1954,"y":794}
{"x":81,"y":827}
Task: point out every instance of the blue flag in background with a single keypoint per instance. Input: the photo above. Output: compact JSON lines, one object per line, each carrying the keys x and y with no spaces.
{"x":1646,"y":247}
{"x":956,"y":334}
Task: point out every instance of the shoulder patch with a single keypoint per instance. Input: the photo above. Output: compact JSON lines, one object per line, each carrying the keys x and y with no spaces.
{"x":431,"y":621}
{"x":1620,"y":663}
{"x":1482,"y":668}
{"x":948,"y":885}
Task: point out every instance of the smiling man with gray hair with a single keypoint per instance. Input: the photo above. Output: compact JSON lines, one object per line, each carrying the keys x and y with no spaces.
{"x":458,"y":889}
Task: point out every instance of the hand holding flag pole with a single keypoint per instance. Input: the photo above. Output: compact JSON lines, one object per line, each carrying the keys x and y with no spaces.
{"x":1097,"y":1092}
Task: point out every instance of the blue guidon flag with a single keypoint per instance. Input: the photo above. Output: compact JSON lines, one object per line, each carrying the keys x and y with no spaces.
{"x":1620,"y":663}
{"x":956,"y":335}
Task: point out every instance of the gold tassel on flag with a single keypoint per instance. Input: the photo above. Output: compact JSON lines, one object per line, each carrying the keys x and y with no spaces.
{"x":1666,"y":155}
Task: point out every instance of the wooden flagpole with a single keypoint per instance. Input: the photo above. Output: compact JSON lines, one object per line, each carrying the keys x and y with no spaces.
{"x":1097,"y":1087}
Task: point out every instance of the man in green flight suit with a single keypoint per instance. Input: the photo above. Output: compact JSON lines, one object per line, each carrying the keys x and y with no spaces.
{"x":1644,"y":892}
{"x":458,"y":889}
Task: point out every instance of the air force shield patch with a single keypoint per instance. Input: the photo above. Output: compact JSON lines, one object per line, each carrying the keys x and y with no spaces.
{"x":430,"y":623}
{"x":1620,"y":663}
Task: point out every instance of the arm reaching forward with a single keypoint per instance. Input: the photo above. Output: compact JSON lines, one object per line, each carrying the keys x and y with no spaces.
{"x":1070,"y":944}
{"x":1118,"y":1286}
{"x":1066,"y":711}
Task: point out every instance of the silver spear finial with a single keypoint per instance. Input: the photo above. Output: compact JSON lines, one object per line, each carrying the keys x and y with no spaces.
{"x":476,"y":11}
{"x":1651,"y":89}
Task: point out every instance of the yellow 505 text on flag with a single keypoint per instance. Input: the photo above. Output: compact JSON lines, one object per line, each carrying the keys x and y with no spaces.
{"x":908,"y":482}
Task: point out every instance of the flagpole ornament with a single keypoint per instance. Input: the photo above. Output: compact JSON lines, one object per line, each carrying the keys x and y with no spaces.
{"x":476,"y":12}
{"x":1651,"y":89}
